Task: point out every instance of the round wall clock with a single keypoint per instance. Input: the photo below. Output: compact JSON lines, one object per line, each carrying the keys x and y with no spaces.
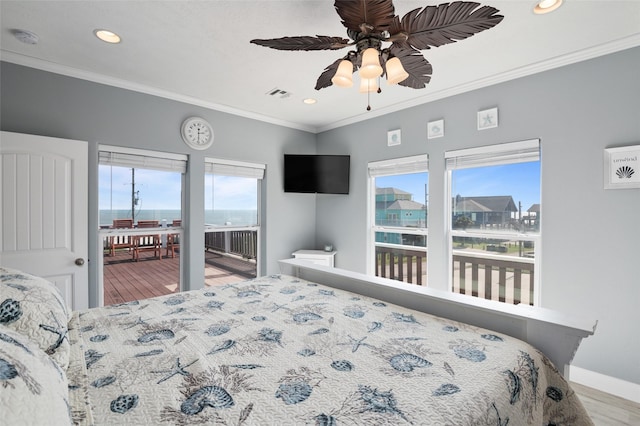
{"x":197,"y":133}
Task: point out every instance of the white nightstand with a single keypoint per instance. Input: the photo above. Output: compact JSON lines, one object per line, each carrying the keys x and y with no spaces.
{"x":319,"y":257}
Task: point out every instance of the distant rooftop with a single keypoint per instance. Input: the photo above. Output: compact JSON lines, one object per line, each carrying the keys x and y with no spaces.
{"x":405,"y":205}
{"x":499,"y":203}
{"x":390,"y":190}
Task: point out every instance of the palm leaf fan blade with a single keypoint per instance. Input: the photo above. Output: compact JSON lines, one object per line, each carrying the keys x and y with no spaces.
{"x":378,"y":14}
{"x":303,"y":43}
{"x":434,"y":26}
{"x":325,"y":78}
{"x":418,"y":68}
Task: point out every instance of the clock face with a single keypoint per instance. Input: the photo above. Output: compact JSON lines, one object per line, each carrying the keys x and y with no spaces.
{"x":197,"y":133}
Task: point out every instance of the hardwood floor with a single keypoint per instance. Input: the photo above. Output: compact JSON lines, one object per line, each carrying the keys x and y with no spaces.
{"x":606,"y":409}
{"x":125,"y":280}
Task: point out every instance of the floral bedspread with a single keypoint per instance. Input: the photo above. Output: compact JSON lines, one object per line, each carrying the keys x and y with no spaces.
{"x":280,"y":350}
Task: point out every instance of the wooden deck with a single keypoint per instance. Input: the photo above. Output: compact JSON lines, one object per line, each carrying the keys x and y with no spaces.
{"x":125,"y":280}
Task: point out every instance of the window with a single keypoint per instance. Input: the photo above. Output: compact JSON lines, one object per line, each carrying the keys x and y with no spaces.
{"x":140,"y":208}
{"x":398,"y":219}
{"x":232,"y":220}
{"x":494,"y":226}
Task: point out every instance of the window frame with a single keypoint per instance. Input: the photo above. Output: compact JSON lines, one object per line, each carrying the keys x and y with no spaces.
{"x":485,"y":156}
{"x":396,"y":166}
{"x":143,"y":159}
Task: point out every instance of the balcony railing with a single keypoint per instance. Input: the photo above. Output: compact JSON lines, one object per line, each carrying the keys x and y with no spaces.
{"x":240,"y":243}
{"x":401,"y":264}
{"x":494,"y":277}
{"x":503,"y":278}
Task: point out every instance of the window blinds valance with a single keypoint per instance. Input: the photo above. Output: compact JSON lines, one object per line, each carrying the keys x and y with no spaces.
{"x":234,"y":168}
{"x":129,"y":157}
{"x":396,"y":166}
{"x":494,"y":155}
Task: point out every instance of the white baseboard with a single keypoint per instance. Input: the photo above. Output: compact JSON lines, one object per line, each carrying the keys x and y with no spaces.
{"x":608,"y":384}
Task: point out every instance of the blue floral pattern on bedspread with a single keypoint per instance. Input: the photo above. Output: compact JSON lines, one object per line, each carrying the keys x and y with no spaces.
{"x":280,"y":350}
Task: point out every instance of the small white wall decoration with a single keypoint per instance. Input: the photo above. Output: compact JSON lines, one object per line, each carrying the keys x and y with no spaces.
{"x":435,"y":129}
{"x":487,"y":118}
{"x":622,"y":167}
{"x":393,"y":137}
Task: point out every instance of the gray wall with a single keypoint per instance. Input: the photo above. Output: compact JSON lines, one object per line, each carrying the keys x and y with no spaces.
{"x":591,"y":237}
{"x":48,"y":104}
{"x":590,"y":253}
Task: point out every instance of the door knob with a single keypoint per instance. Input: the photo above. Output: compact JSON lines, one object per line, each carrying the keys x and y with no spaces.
{"x":79,"y":261}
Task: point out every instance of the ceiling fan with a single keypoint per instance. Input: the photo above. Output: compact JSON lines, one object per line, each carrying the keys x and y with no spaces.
{"x":370,"y":23}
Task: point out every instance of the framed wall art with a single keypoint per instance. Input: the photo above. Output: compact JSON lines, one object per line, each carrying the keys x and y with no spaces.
{"x":394,"y":137}
{"x":622,"y":167}
{"x":487,"y":118}
{"x":435,"y":129}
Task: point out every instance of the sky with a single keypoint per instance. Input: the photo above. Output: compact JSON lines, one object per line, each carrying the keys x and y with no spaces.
{"x":521,"y":181}
{"x":161,"y":190}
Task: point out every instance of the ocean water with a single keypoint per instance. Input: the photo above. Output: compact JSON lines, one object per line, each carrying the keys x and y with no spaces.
{"x":211,"y":217}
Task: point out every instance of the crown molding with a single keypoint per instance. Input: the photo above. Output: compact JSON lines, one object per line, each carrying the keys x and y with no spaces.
{"x":557,"y":62}
{"x":535,"y":68}
{"x":28,"y":61}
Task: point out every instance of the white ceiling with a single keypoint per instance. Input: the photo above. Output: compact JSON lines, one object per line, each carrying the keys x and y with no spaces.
{"x":199,"y":51}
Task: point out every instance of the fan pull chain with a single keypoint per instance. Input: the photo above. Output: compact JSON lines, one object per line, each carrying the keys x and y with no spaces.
{"x":369,"y":94}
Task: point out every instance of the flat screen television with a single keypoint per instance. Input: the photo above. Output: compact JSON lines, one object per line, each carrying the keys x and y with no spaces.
{"x":320,"y":174}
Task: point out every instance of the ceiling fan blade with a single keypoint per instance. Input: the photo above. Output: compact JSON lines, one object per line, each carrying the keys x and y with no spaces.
{"x":418,"y":68}
{"x":366,"y":16}
{"x":434,"y":26}
{"x":304,"y":43}
{"x":396,"y":26}
{"x":325,"y":78}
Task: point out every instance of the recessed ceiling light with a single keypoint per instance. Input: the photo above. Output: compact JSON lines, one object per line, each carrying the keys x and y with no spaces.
{"x":107,"y":36}
{"x":309,"y":101}
{"x":25,"y":36}
{"x":546,"y":6}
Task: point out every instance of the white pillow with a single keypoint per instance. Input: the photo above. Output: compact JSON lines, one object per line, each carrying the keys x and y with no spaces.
{"x":33,"y":388}
{"x":34,"y":307}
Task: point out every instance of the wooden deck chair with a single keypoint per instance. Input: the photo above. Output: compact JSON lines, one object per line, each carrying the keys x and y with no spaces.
{"x":120,"y":241}
{"x":173,"y":240}
{"x":147,"y":242}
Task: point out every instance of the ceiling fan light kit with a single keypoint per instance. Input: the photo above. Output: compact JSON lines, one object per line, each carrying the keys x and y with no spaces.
{"x":370,"y":23}
{"x":368,"y":85}
{"x":370,"y":67}
{"x":395,"y":72}
{"x":343,"y":76}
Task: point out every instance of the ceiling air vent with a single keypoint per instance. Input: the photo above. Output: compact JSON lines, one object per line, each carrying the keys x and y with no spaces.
{"x":279,"y":93}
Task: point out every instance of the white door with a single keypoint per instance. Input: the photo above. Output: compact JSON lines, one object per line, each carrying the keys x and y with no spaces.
{"x":43,"y":211}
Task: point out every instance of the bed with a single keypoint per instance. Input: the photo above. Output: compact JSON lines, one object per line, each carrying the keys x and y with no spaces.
{"x":279,"y":349}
